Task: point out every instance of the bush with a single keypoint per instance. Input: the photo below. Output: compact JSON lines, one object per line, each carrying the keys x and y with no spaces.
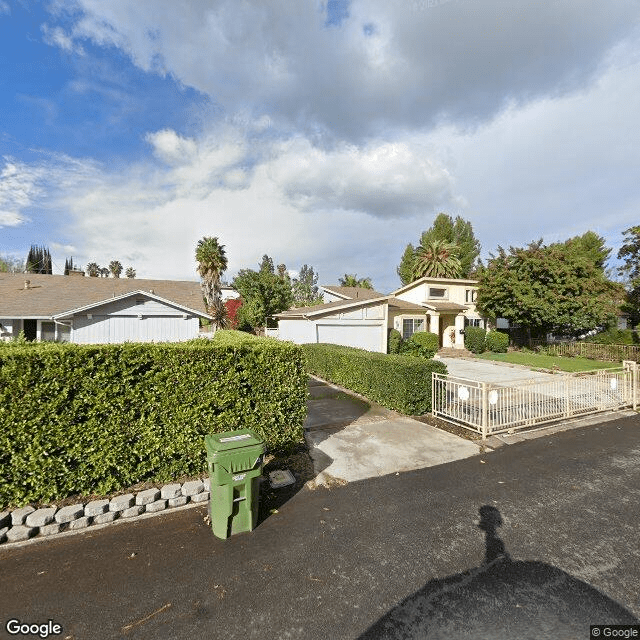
{"x":497,"y":341}
{"x":93,"y":419}
{"x":394,"y":341}
{"x":423,"y":344}
{"x":475,"y":339}
{"x":397,"y":382}
{"x":614,"y":336}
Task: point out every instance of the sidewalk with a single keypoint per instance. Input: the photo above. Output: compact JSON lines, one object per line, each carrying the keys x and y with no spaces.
{"x":390,"y":557}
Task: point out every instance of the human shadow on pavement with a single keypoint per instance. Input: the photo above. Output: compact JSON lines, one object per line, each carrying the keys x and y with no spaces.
{"x":500,"y":599}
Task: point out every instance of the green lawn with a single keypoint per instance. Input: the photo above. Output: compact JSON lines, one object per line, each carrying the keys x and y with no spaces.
{"x":540,"y":361}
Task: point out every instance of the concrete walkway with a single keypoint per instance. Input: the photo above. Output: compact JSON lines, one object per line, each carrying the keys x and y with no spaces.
{"x":351,"y":440}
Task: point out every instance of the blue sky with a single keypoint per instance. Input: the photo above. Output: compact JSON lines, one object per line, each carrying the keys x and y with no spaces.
{"x":329,"y":134}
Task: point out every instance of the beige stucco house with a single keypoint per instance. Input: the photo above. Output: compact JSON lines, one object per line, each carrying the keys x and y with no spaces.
{"x":361,"y":318}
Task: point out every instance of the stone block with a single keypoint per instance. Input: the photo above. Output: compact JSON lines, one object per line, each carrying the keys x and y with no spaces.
{"x":177,"y":502}
{"x":200,"y":497}
{"x":20,"y":515}
{"x":103,"y":518}
{"x":67,"y":514}
{"x":5,"y":519}
{"x":154,"y":507}
{"x":148,"y":496}
{"x":96,"y":507}
{"x":50,"y":529}
{"x":131,"y":512}
{"x":19,"y":533}
{"x":120,"y":503}
{"x":80,"y":523}
{"x":192,"y":487}
{"x":170,"y":491}
{"x":41,"y":517}
{"x":3,"y":534}
{"x":206,"y":483}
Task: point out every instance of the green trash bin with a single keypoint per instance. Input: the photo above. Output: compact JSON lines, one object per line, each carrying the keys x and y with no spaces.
{"x":234,"y":459}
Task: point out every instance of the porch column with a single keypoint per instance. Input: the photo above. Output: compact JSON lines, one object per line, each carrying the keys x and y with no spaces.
{"x":434,"y":323}
{"x":459,"y":324}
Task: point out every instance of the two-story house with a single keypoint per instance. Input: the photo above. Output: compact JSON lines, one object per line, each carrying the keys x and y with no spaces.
{"x":361,"y":318}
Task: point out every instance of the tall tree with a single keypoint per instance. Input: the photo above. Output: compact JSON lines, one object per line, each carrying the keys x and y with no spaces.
{"x":104,"y":272}
{"x":212,"y":263}
{"x":405,"y":268}
{"x":352,"y":280}
{"x":130,"y":272}
{"x":11,"y":265}
{"x":458,"y":232}
{"x":264,"y":293}
{"x":116,"y":268}
{"x":592,"y":247}
{"x":93,"y":270}
{"x":544,"y":288}
{"x":305,"y":288}
{"x":267,"y":264}
{"x":630,"y":269}
{"x":39,"y":260}
{"x":436,"y":259}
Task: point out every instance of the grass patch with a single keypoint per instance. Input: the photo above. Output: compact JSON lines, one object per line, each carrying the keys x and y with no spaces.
{"x":541,"y":361}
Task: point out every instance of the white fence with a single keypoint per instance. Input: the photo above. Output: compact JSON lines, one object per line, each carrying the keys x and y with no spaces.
{"x":490,"y":408}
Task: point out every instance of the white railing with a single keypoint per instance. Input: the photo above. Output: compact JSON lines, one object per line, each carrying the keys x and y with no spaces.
{"x":490,"y":408}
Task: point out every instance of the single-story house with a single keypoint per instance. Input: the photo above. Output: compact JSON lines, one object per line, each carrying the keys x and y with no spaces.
{"x":88,"y":310}
{"x":357,"y":317}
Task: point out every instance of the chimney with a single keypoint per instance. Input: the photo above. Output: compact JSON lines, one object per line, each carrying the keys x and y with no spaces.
{"x":27,"y":284}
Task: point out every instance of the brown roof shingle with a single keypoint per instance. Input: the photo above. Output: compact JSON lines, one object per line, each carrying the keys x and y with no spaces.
{"x":49,"y":295}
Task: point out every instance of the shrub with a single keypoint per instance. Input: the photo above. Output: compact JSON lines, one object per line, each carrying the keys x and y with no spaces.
{"x":395,"y":381}
{"x":92,"y":419}
{"x":394,"y":341}
{"x":475,"y":339}
{"x":497,"y":341}
{"x":614,"y":336}
{"x":426,"y":344}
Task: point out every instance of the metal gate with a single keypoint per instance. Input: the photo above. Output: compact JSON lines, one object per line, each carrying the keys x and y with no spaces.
{"x":490,"y":408}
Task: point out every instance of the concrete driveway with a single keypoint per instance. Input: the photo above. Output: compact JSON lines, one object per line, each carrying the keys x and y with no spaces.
{"x":350,"y":439}
{"x":488,"y":371}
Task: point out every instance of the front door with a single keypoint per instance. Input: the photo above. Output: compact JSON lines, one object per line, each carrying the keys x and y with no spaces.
{"x":30,"y":328}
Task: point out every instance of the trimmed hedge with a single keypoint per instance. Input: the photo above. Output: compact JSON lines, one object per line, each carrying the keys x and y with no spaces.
{"x":93,"y":419}
{"x":614,"y":336}
{"x":402,"y":383}
{"x":394,"y":341}
{"x":423,"y":343}
{"x":497,"y":341}
{"x":475,"y":339}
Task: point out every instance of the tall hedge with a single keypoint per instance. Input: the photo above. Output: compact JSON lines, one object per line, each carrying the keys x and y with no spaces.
{"x":398,"y":382}
{"x":98,"y":418}
{"x":474,"y":339}
{"x":497,"y":341}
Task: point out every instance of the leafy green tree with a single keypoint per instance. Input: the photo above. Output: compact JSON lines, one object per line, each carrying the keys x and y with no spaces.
{"x":543,"y":288}
{"x":115,"y":267}
{"x":93,"y":270}
{"x":264,"y":293}
{"x":591,"y":246}
{"x":11,"y":265}
{"x":305,"y":288}
{"x":436,"y":259}
{"x":352,"y":280}
{"x":405,"y":268}
{"x":630,"y":270}
{"x":130,"y":272}
{"x":212,"y":262}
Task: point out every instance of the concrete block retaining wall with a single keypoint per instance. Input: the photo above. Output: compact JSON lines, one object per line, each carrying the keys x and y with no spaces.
{"x":28,"y":522}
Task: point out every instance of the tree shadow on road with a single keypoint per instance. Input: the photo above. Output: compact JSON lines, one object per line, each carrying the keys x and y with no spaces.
{"x":500,"y":599}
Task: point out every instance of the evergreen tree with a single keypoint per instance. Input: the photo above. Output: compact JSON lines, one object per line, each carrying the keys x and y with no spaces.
{"x":305,"y":288}
{"x":405,"y":268}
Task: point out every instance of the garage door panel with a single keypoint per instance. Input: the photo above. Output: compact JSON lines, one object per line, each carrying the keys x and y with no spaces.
{"x":368,"y":337}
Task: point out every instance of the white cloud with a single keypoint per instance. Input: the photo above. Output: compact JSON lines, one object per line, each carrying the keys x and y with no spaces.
{"x":171,"y":147}
{"x":4,"y":8}
{"x":56,"y":37}
{"x":19,"y":187}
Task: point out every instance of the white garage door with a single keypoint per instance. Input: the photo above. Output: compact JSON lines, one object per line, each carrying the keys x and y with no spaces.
{"x":367,"y":337}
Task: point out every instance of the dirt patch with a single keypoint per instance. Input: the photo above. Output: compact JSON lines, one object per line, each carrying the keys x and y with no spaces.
{"x":455,"y":429}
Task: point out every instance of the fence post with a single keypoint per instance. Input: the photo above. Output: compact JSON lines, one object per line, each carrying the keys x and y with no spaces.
{"x":566,"y":396}
{"x":433,"y":394}
{"x":634,"y":384}
{"x":485,"y":409}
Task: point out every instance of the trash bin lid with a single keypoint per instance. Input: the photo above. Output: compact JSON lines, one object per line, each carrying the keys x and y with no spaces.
{"x":231,"y":441}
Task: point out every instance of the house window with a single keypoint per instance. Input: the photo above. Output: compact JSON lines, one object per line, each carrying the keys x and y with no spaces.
{"x":470,"y":295}
{"x":48,"y":331}
{"x":438,"y":293}
{"x":411,"y":326}
{"x":474,"y":322}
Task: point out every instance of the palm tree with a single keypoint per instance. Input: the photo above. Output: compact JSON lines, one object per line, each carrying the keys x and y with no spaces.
{"x":93,"y":270}
{"x":437,"y":259}
{"x":351,"y":280}
{"x":104,"y":272}
{"x":116,"y":268}
{"x":212,"y":262}
{"x":130,"y":272}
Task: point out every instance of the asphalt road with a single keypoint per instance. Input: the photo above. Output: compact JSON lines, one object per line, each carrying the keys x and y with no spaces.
{"x":534,"y":540}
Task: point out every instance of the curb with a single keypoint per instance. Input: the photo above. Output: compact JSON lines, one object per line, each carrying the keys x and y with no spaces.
{"x":27,"y":524}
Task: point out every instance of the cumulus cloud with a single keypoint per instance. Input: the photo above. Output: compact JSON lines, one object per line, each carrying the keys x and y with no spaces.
{"x":388,"y":63}
{"x":171,"y":147}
